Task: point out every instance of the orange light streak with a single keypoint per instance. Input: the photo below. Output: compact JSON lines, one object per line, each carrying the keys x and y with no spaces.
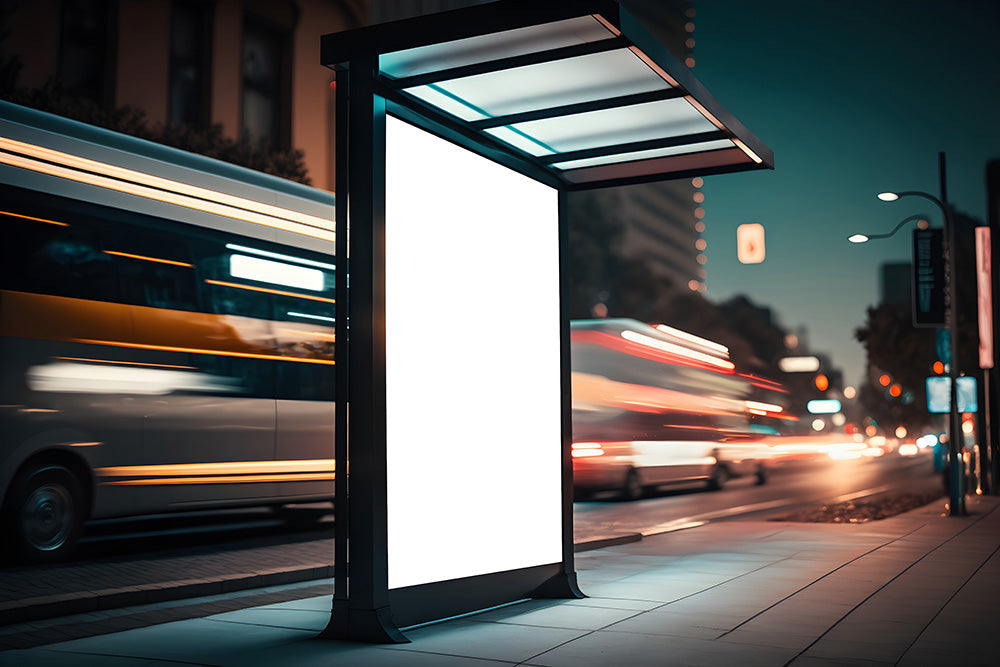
{"x":236,"y":479}
{"x":691,"y":338}
{"x":147,"y":259}
{"x":146,"y":192}
{"x":126,"y":363}
{"x":196,"y":350}
{"x":270,"y":291}
{"x":671,"y":348}
{"x":223,"y":472}
{"x":31,"y":217}
{"x":153,"y":184}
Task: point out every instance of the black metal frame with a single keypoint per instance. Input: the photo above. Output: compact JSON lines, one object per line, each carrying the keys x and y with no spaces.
{"x":512,"y":14}
{"x":364,"y":608}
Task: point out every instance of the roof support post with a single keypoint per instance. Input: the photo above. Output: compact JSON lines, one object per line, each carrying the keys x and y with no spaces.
{"x":361,"y":606}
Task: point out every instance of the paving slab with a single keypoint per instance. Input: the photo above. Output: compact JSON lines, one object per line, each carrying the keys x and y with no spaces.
{"x":918,"y":589}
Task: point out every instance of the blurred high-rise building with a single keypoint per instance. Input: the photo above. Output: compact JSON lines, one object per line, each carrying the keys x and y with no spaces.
{"x":663,"y":221}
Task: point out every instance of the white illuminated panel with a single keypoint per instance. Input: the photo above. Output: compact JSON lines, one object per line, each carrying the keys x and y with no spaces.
{"x":278,"y":273}
{"x":472,"y":363}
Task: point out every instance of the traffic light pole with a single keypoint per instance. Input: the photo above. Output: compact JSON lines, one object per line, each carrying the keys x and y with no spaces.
{"x":956,"y":487}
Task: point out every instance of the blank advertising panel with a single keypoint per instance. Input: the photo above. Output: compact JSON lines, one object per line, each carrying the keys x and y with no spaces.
{"x":473,"y":411}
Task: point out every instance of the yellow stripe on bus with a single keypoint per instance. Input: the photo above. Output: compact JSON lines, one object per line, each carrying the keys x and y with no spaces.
{"x":222,"y":467}
{"x":223,"y":479}
{"x":49,"y":317}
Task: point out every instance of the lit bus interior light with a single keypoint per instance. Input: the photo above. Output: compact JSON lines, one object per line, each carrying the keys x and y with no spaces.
{"x":759,"y":408}
{"x":715,"y":347}
{"x":253,"y":288}
{"x":278,"y":255}
{"x":31,"y":217}
{"x":147,"y":259}
{"x":321,"y":318}
{"x":587,"y":449}
{"x":680,"y":351}
{"x":64,"y":376}
{"x":277,"y":273}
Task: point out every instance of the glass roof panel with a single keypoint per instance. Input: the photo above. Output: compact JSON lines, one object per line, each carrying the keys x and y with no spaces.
{"x":518,"y":42}
{"x":608,"y":127}
{"x":555,"y":83}
{"x":436,"y":96}
{"x":645,"y":155}
{"x":519,"y":139}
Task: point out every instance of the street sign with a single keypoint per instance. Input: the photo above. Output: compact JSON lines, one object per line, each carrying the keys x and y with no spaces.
{"x":984,"y":284}
{"x":939,"y":394}
{"x":750,"y":243}
{"x":928,"y":278}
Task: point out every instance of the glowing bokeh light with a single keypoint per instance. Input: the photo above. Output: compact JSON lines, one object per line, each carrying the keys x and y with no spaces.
{"x":798,"y":364}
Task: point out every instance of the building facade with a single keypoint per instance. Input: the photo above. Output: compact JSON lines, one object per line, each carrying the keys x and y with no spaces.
{"x":250,"y":67}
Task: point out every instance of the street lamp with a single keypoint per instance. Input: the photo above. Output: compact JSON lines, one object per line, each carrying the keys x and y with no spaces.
{"x":956,"y":487}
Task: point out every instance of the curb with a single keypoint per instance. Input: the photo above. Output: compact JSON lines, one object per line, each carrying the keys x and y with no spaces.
{"x":52,"y":606}
{"x":602,"y":542}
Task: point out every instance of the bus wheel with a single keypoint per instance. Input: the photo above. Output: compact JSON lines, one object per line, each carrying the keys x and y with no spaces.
{"x":720,"y":475}
{"x":631,"y":487}
{"x":44,"y":513}
{"x":761,"y":476}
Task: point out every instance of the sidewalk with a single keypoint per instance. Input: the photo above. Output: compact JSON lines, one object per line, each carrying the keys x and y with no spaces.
{"x":917,"y":589}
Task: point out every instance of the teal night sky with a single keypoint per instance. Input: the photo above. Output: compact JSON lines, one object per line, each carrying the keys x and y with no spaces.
{"x":854,"y":98}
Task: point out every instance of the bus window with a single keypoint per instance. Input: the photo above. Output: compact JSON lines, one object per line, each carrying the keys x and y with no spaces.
{"x":155,"y":269}
{"x":48,"y":255}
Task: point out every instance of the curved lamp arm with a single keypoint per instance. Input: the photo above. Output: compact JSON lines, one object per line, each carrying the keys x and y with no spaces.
{"x":861,"y":238}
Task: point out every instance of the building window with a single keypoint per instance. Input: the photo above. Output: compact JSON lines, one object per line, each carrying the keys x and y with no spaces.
{"x":190,"y":58}
{"x":266,"y":79}
{"x":86,"y":52}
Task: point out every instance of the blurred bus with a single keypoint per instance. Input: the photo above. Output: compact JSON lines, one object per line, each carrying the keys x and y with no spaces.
{"x":656,"y":405}
{"x":166,"y":333}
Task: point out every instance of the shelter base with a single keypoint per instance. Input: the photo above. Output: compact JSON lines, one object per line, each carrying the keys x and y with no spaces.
{"x":372,"y":626}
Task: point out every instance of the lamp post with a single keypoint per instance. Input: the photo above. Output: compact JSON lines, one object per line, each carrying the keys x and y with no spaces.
{"x":956,"y":499}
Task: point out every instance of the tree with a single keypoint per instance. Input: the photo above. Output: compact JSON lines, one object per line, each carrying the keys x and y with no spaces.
{"x":208,"y":141}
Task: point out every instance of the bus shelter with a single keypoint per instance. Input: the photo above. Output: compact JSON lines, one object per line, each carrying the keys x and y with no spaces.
{"x":459,"y":136}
